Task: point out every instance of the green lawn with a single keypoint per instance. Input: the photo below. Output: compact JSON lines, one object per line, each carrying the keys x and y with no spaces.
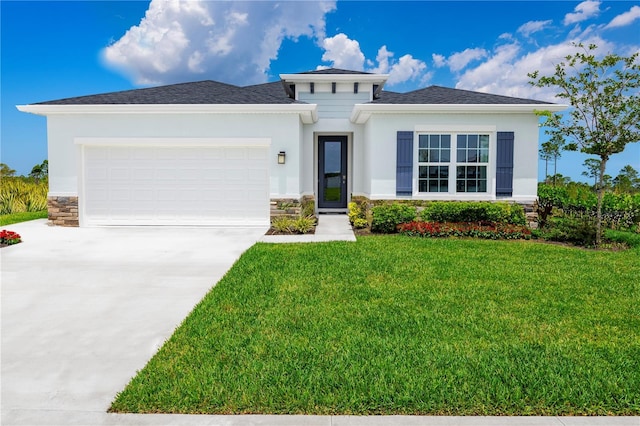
{"x":395,"y":325}
{"x":8,"y":219}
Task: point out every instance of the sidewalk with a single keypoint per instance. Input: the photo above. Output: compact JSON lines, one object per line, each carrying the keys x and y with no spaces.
{"x":331,"y":227}
{"x":95,"y":418}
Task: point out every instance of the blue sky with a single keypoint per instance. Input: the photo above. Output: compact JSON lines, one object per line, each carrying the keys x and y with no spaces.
{"x":53,"y":49}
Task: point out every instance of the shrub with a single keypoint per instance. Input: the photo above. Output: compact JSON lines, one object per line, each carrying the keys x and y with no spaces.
{"x":631,"y":239}
{"x":386,"y":218}
{"x":282,"y":224}
{"x":358,"y":215}
{"x":304,"y":224}
{"x":578,"y":231}
{"x":19,"y":195}
{"x":293,"y":225}
{"x":472,"y":211}
{"x":486,"y":230}
{"x":619,"y":211}
{"x":360,"y":223}
{"x":308,"y":207}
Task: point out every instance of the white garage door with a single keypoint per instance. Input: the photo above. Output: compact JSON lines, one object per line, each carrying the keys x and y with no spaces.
{"x":220,"y":185}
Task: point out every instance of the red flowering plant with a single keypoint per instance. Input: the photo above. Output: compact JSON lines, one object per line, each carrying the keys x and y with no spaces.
{"x":486,"y":230}
{"x":9,"y":237}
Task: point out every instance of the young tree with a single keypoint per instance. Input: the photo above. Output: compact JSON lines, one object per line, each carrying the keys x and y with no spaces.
{"x":606,"y":106}
{"x":551,"y":150}
{"x":593,"y":169}
{"x":558,"y":180}
{"x":40,"y":171}
{"x":6,"y":171}
{"x":627,"y":181}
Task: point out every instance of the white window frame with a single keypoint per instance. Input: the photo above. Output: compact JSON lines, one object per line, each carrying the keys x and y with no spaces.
{"x":427,"y":164}
{"x":454,"y":131}
{"x":476,"y":164}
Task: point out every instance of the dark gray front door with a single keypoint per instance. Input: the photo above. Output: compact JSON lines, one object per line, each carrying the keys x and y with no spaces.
{"x":332,"y":172}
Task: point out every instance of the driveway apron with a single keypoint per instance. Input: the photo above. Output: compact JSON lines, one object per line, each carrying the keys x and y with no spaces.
{"x":84,"y":308}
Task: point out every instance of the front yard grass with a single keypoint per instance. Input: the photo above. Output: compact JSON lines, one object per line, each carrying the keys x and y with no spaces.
{"x":399,"y":325}
{"x":8,"y":219}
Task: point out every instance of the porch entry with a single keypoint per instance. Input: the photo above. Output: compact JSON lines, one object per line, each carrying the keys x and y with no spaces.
{"x":332,"y":172}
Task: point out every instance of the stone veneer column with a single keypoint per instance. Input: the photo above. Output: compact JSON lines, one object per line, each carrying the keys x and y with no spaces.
{"x":63,"y":211}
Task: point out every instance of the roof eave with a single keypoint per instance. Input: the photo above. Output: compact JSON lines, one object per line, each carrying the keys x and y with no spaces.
{"x":308,"y":112}
{"x":361,"y":112}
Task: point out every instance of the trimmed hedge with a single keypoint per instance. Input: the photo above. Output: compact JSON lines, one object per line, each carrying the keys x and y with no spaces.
{"x":474,"y":211}
{"x":386,"y":218}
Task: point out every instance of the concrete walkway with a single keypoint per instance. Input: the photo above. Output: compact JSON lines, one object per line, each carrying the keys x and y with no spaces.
{"x":331,"y":227}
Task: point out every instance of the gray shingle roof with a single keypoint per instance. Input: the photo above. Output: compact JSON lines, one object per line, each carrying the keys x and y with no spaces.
{"x":200,"y":92}
{"x":274,"y":89}
{"x":444,"y":95}
{"x":213,"y":92}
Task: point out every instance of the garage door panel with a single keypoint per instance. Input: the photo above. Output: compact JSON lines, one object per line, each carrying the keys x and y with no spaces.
{"x":143,"y":173}
{"x":176,"y":186}
{"x":118,"y":154}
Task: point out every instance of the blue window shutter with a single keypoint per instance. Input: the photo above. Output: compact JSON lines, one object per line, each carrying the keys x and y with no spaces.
{"x":404,"y":163}
{"x":504,"y":165}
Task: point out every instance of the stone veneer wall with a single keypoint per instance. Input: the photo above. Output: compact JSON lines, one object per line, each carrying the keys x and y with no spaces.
{"x":63,"y":211}
{"x":288,"y":206}
{"x":285,"y":206}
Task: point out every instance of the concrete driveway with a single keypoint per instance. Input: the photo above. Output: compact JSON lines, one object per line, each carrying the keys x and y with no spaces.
{"x":84,"y":308}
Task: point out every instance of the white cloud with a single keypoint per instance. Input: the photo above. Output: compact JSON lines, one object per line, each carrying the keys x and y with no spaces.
{"x":406,"y":69}
{"x":625,"y":18}
{"x":531,"y":27}
{"x":505,"y":72}
{"x":459,"y":60}
{"x":343,"y":52}
{"x":383,"y":61}
{"x":233,"y":42}
{"x":486,"y":76}
{"x":439,"y":60}
{"x":585,"y":10}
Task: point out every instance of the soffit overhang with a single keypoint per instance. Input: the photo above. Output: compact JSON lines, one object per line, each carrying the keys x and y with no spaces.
{"x":308,"y":112}
{"x":362,"y":112}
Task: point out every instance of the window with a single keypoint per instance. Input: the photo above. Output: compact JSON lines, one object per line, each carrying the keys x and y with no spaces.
{"x":472,"y":149}
{"x":471,"y":179}
{"x":433,"y":151}
{"x":444,"y":168}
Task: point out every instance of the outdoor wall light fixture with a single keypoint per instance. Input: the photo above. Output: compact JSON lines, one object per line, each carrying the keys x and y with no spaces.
{"x":281,"y":157}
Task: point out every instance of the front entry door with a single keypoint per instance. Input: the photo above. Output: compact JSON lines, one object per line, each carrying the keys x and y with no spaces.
{"x":332,"y":172}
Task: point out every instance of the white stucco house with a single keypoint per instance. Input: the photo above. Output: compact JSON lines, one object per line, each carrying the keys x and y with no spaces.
{"x":209,"y":153}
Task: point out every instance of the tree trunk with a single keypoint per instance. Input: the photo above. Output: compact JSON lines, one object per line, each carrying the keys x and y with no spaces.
{"x":546,"y":170}
{"x":600,"y":189}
